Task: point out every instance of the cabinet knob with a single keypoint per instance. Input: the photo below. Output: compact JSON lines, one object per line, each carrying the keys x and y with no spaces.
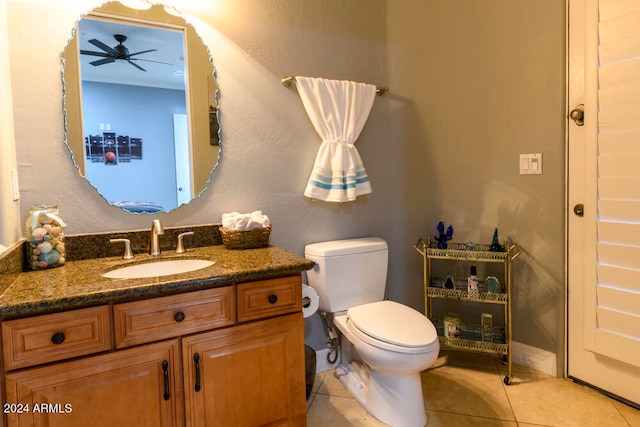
{"x":58,"y":338}
{"x":273,"y":299}
{"x":179,"y":316}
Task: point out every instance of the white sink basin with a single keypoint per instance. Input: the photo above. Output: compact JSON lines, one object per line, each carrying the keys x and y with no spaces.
{"x":158,"y":268}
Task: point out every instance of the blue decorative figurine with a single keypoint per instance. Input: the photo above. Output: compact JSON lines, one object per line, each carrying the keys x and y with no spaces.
{"x":443,"y":237}
{"x":495,"y":243}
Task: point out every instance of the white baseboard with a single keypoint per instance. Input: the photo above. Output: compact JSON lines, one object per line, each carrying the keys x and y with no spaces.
{"x":535,"y":358}
{"x":322,"y":364}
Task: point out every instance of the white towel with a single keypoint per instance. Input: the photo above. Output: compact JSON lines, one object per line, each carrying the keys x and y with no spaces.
{"x":338,"y":110}
{"x":247,"y":221}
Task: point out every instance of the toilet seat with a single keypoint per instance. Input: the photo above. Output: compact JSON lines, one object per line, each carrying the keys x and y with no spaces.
{"x":393,"y":326}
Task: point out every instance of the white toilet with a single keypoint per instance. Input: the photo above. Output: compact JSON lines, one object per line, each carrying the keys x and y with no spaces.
{"x":385,"y":345}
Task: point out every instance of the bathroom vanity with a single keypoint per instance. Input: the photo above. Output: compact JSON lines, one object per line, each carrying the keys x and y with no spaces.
{"x":218,"y":346}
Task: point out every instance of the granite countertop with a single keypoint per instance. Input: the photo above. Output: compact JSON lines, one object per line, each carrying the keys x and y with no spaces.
{"x":79,"y":284}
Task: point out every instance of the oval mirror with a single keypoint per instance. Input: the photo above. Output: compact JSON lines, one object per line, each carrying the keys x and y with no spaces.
{"x":141,"y":110}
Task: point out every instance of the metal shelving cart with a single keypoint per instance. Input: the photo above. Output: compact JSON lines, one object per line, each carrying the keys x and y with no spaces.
{"x":472,"y":338}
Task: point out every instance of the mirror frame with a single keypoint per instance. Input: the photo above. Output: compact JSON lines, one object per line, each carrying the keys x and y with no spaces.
{"x":201,"y":96}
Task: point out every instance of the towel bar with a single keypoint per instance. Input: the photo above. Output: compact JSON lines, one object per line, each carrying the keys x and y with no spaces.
{"x":286,"y":81}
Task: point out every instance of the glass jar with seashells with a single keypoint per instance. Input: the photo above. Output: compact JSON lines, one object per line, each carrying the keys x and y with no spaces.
{"x":44,"y":231}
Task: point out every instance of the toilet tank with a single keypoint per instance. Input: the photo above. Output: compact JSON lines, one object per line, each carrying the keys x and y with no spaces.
{"x":348,"y":272}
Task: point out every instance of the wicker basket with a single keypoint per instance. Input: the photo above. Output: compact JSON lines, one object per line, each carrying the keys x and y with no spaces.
{"x":246,"y":239}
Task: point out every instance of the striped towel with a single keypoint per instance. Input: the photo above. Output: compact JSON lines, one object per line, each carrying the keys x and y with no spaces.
{"x":338,"y":110}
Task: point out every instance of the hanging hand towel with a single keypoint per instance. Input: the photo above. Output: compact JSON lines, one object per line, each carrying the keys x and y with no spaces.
{"x":338,"y":110}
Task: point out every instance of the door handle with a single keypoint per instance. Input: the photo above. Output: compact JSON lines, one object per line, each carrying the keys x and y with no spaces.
{"x":579,"y":210}
{"x":577,"y":115}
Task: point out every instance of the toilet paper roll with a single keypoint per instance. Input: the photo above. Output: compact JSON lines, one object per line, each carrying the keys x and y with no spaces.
{"x":310,"y":301}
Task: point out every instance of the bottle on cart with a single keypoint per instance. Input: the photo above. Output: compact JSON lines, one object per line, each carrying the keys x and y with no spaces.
{"x":448,"y":282}
{"x":472,"y":283}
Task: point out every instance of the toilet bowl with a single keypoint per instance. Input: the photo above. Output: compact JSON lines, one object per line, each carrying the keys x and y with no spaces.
{"x":384,"y":344}
{"x":380,"y":368}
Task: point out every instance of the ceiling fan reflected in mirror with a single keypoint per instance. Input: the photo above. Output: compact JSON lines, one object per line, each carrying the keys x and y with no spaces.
{"x":120,"y":51}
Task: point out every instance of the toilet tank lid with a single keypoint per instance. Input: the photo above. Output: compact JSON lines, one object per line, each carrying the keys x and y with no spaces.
{"x":346,"y":247}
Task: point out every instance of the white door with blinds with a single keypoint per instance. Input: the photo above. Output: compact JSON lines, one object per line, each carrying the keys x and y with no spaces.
{"x":604,"y":177}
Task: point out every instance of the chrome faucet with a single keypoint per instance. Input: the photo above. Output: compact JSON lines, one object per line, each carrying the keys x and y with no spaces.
{"x":156,"y":230}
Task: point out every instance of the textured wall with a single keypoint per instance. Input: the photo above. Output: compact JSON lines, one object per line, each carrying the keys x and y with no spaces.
{"x":473,"y":84}
{"x":478,"y":83}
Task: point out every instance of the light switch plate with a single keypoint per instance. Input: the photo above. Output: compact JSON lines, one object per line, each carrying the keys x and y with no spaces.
{"x":14,"y":184}
{"x":531,"y":164}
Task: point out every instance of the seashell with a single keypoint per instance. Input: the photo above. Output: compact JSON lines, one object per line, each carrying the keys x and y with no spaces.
{"x":38,"y":234}
{"x":50,"y":257}
{"x":60,"y":247}
{"x":45,"y":247}
{"x":54,"y":230}
{"x":42,"y":264}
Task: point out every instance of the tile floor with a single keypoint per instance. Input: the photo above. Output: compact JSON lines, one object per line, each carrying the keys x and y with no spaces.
{"x":467,"y":389}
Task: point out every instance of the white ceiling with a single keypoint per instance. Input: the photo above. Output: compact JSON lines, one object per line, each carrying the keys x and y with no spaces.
{"x":168,"y":42}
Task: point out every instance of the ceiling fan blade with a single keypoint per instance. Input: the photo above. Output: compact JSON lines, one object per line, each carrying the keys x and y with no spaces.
{"x":149,"y":60}
{"x":90,"y":52}
{"x":102,"y":61}
{"x":137,"y":66}
{"x":142,"y":51}
{"x":99,"y":44}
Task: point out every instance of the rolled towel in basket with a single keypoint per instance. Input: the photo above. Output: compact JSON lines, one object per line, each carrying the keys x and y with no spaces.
{"x":248,"y":221}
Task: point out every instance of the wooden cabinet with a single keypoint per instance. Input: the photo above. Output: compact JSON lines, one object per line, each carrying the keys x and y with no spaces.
{"x":134,"y":387}
{"x":267,"y":298}
{"x":249,"y":375}
{"x":179,"y":360}
{"x":167,"y":317}
{"x":51,"y":337}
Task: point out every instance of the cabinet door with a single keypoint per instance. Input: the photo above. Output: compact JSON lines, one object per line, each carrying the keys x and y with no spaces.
{"x":138,"y":387}
{"x":249,"y":375}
